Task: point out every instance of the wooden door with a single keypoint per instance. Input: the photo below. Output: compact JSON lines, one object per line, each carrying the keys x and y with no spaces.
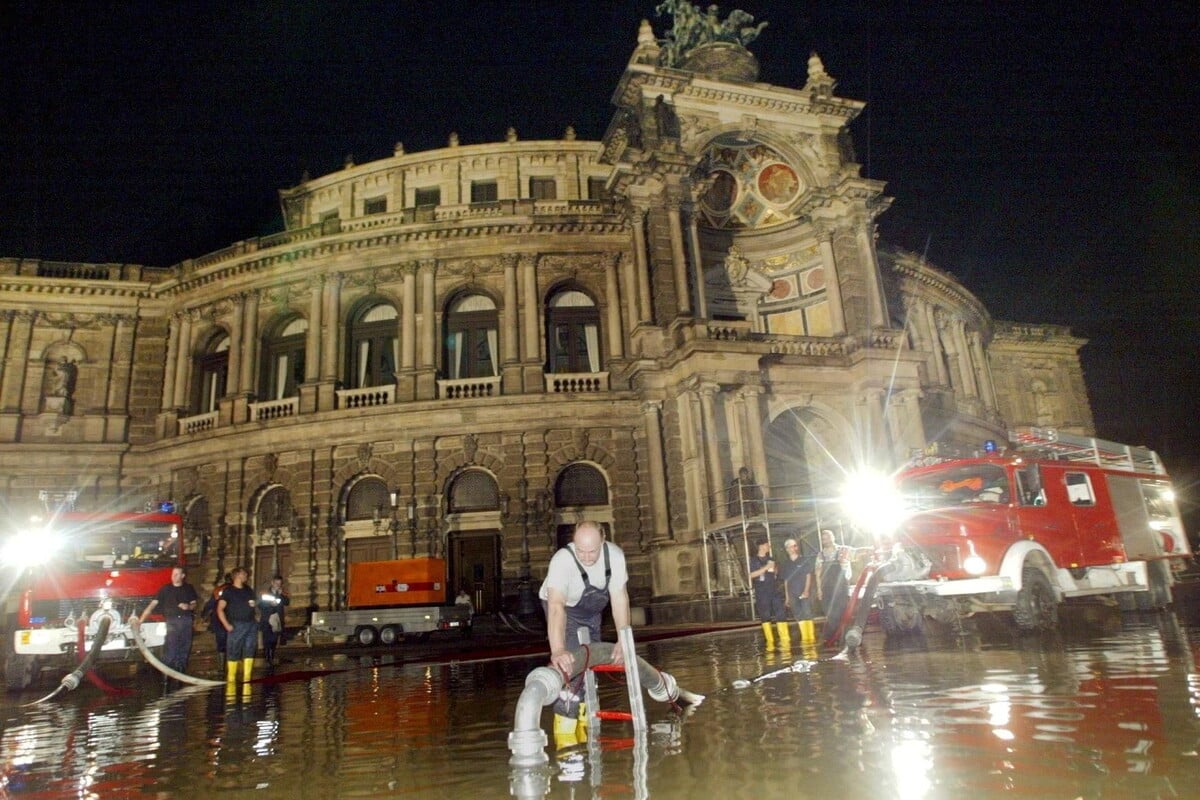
{"x":265,"y":567}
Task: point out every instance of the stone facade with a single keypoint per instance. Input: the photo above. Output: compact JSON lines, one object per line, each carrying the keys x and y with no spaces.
{"x":463,"y":352}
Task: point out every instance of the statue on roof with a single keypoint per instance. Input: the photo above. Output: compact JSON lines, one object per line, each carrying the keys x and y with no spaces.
{"x":692,"y":28}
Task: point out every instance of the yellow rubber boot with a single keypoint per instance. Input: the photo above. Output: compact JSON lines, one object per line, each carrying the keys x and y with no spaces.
{"x":565,"y":731}
{"x":247,"y":669}
{"x":808,"y":633}
{"x":769,"y":633}
{"x":581,"y":725}
{"x":785,"y":636}
{"x":231,"y":669}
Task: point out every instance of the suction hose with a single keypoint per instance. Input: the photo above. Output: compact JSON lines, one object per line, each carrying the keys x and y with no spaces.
{"x":527,"y":742}
{"x":135,"y":625}
{"x":72,"y":679}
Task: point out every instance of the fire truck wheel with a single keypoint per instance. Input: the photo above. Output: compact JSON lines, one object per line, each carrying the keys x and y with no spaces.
{"x":389,"y":634}
{"x":19,"y":672}
{"x":901,"y":617}
{"x":366,"y":635}
{"x":1036,"y":609}
{"x":1158,"y":573}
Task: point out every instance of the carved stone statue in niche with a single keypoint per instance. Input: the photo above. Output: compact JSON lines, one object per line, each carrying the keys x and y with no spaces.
{"x":59,"y":391}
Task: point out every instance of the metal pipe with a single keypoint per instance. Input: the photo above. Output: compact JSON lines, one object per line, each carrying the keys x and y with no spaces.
{"x":527,"y":741}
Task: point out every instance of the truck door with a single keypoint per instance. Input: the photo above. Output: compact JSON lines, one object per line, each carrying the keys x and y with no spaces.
{"x":1095,"y":523}
{"x":1043,"y":513}
{"x":475,"y":565}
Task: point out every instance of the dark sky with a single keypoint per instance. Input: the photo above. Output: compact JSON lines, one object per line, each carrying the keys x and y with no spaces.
{"x":1046,"y":155}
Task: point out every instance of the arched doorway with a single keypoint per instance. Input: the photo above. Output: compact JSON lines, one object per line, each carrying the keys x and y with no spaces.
{"x":473,"y":513}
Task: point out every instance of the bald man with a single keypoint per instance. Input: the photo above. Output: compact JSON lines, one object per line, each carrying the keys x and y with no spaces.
{"x":583,"y":578}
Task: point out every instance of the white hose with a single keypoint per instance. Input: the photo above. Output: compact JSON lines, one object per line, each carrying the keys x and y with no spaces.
{"x":135,"y":625}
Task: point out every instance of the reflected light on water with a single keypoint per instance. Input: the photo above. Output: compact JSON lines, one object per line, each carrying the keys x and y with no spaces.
{"x":912,"y":760}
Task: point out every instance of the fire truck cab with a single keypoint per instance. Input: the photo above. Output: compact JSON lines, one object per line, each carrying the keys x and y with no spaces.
{"x":1054,"y":517}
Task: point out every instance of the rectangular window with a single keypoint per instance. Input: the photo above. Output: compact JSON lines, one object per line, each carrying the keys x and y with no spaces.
{"x":1079,"y":489}
{"x":596,"y":190}
{"x":430,"y":196}
{"x":375,"y":205}
{"x":542,"y":189}
{"x":331,"y":214}
{"x":484,"y":192}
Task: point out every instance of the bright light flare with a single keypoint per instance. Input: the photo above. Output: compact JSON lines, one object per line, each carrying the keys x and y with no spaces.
{"x":30,"y":548}
{"x":872,"y":502}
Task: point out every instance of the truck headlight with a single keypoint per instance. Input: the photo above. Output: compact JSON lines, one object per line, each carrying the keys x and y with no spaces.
{"x":30,"y":548}
{"x":974,"y":565}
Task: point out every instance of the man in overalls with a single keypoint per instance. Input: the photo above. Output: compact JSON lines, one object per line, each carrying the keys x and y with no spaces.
{"x":583,"y":577}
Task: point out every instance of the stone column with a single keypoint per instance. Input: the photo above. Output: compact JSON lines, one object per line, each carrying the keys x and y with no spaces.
{"x":833,"y":286}
{"x":652,"y":413}
{"x":428,"y":338}
{"x":641,"y":268}
{"x":249,"y":353}
{"x":907,"y":417}
{"x":532,"y":373}
{"x":616,"y":341}
{"x":406,"y":375}
{"x":945,"y":334}
{"x":331,"y":300}
{"x":312,"y":341}
{"x":510,"y":360}
{"x":183,"y":361}
{"x":309,"y":390}
{"x":936,"y":349}
{"x":875,"y":298}
{"x":964,"y":358}
{"x":678,"y":262}
{"x":234,"y":380}
{"x":168,"y":392}
{"x":752,"y":426}
{"x":697,"y":258}
{"x":117,"y":401}
{"x":712,"y":449}
{"x":987,"y":391}
{"x":629,"y":292}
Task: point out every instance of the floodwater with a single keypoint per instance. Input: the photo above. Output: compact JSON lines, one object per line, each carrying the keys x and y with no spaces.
{"x":1108,"y":709}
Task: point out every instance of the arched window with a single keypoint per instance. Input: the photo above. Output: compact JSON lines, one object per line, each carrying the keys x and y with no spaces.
{"x":580,"y":485}
{"x":471,"y":338}
{"x":372,"y":343}
{"x":474,"y":490}
{"x":283,"y":360}
{"x":275,"y":509}
{"x":573,"y":333}
{"x":367,"y":498}
{"x":212,"y":372}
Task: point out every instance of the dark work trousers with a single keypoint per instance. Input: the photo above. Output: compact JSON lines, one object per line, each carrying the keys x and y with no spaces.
{"x":178,"y":645}
{"x":243,"y":640}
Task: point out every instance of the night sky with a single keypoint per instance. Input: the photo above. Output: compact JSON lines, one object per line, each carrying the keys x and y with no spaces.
{"x":1045,"y":156}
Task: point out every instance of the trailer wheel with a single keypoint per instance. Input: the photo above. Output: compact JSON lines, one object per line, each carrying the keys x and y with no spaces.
{"x":390,"y":634}
{"x":901,"y":616}
{"x":366,"y":635}
{"x":1159,"y":595}
{"x":19,"y":672}
{"x":1036,"y":608}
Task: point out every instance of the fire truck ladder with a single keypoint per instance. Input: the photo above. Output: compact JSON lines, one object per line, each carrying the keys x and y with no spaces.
{"x":1071,"y":447}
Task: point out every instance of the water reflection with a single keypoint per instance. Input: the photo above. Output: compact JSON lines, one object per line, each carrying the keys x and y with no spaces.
{"x":1101,"y":711}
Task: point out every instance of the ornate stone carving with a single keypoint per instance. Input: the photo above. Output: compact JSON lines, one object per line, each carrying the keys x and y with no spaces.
{"x":365,"y":450}
{"x":470,"y":447}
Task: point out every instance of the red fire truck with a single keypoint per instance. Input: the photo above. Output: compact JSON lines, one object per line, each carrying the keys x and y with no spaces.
{"x":1053,"y":517}
{"x":80,"y":567}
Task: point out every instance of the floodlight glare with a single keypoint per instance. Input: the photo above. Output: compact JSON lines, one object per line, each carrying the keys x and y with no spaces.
{"x":872,"y":502}
{"x":29,"y":548}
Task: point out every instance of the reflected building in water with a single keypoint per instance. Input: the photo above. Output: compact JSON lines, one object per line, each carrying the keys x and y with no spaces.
{"x":463,"y":352}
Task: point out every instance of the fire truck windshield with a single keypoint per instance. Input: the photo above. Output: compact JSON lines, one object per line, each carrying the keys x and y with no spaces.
{"x":957,"y":485}
{"x":120,"y":544}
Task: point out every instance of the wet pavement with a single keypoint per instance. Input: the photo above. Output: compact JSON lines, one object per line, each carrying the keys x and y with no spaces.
{"x":1106,"y":709}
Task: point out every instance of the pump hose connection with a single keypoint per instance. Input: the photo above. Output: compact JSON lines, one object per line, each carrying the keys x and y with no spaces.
{"x":72,"y":679}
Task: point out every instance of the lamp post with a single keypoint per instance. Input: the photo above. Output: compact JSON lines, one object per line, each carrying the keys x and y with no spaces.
{"x":526,"y":602}
{"x":412,"y":524}
{"x":394,"y":522}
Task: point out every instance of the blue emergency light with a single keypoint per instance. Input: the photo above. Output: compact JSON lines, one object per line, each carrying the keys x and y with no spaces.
{"x":166,"y":507}
{"x":989,"y":446}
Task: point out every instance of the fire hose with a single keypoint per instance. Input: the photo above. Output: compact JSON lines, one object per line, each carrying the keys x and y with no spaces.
{"x":72,"y":679}
{"x":135,"y":625}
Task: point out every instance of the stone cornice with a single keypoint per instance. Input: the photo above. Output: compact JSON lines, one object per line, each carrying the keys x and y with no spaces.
{"x":68,"y":287}
{"x":761,"y":96}
{"x":910,"y":267}
{"x":333,"y":245}
{"x":1031,"y":333}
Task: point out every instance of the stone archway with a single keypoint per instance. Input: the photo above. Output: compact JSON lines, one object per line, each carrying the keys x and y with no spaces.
{"x":807,"y":459}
